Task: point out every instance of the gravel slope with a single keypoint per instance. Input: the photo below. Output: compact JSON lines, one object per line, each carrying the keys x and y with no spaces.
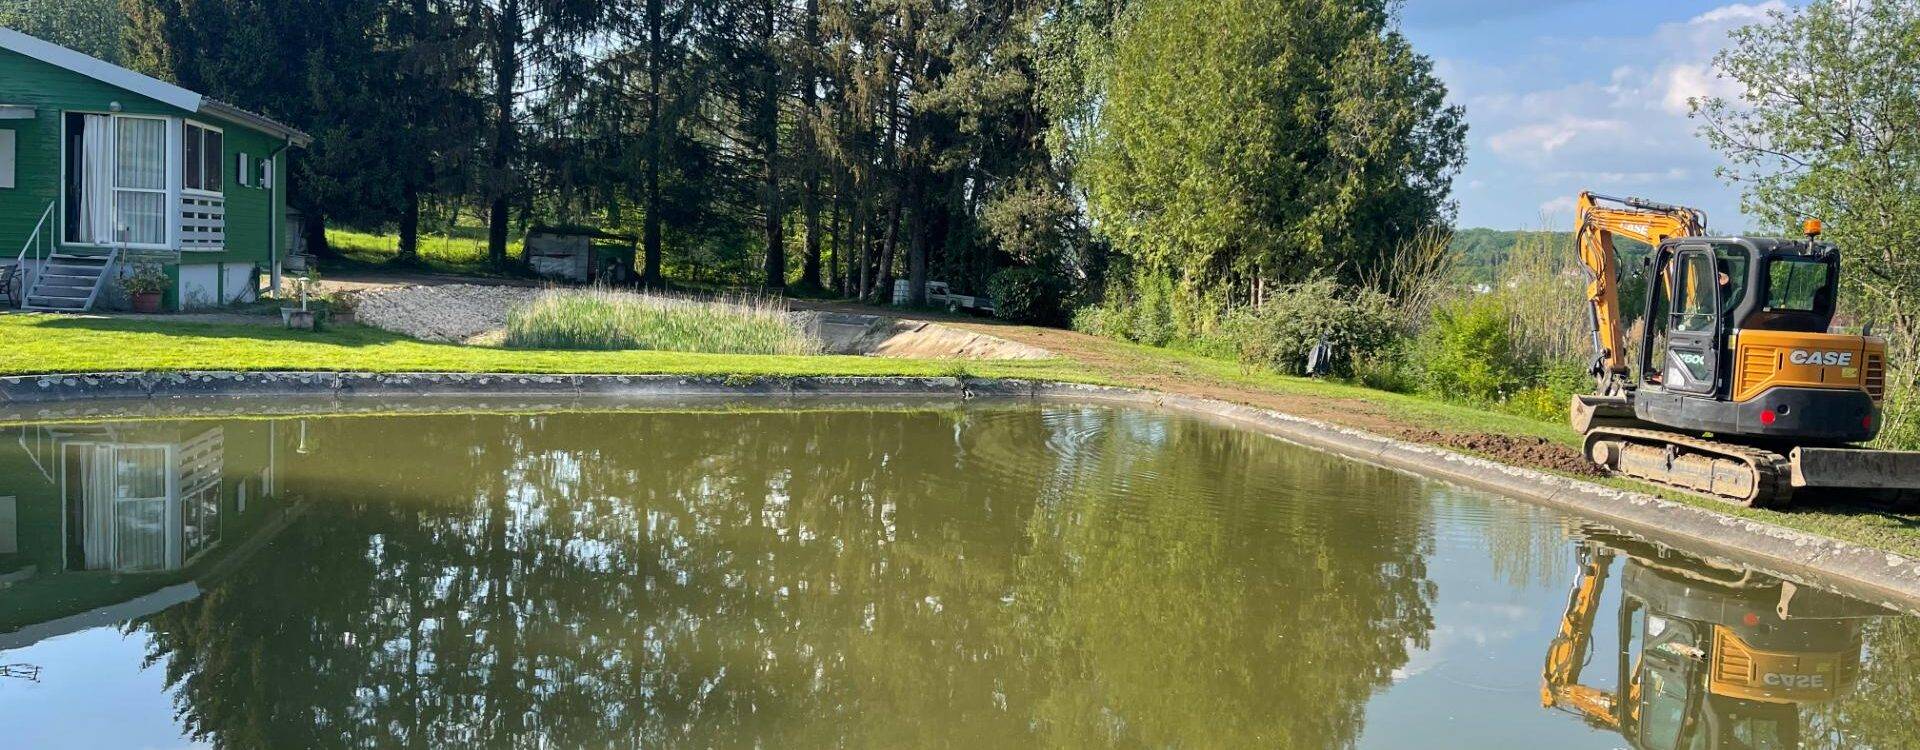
{"x":449,"y":313}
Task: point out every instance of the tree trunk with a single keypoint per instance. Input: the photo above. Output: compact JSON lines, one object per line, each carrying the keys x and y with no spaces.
{"x":810,"y":191}
{"x":314,"y":229}
{"x":923,"y":227}
{"x":409,"y":253}
{"x":883,"y":291}
{"x":506,"y":72}
{"x":776,"y":268}
{"x":650,"y":275}
{"x":861,"y":261}
{"x":839,"y":236}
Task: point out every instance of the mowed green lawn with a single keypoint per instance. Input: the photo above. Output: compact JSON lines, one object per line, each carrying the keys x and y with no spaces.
{"x":32,"y":344}
{"x":462,"y":251}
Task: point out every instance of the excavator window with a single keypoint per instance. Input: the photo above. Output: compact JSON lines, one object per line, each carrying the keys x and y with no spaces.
{"x":1799,"y":296}
{"x":1733,"y":278}
{"x":1698,"y":286}
{"x":1796,"y":285}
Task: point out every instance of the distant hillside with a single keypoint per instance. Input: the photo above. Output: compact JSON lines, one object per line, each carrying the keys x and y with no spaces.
{"x":1481,"y":251}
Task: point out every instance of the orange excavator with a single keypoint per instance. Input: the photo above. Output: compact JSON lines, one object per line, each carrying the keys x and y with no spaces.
{"x":1708,"y":656}
{"x":1737,"y":388}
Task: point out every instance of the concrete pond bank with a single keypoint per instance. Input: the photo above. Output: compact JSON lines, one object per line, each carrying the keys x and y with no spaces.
{"x":1871,"y":574}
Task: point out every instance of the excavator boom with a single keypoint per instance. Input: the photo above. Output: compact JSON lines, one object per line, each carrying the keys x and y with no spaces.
{"x":1560,"y":684}
{"x":1596,"y":226}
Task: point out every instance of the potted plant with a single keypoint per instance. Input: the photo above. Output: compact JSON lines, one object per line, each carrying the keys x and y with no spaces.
{"x":145,"y":285}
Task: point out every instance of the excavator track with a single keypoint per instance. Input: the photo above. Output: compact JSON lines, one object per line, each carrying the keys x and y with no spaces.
{"x":1738,"y":474}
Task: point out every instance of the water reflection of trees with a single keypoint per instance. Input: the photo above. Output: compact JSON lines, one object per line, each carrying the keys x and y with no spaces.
{"x":808,"y":579}
{"x":1878,"y":712}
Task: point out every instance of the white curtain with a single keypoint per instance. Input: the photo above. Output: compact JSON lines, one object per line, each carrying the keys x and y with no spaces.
{"x":140,"y":181}
{"x":96,"y":182}
{"x":96,"y":506}
{"x":123,"y":501}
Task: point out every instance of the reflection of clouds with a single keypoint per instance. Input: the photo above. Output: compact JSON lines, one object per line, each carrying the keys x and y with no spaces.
{"x":1465,"y":632}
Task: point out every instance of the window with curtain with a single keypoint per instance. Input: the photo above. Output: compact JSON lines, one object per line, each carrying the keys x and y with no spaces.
{"x":140,"y":181}
{"x":121,"y":498}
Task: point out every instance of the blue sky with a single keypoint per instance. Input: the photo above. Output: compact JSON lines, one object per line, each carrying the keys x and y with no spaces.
{"x":1565,"y":95}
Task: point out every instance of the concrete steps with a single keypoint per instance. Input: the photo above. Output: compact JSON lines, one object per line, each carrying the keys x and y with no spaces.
{"x":68,"y":283}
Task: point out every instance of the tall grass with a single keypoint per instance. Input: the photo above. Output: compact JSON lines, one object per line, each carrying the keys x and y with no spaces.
{"x":604,"y":319}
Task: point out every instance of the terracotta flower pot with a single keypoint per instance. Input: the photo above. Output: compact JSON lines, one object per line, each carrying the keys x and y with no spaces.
{"x":146,"y":302}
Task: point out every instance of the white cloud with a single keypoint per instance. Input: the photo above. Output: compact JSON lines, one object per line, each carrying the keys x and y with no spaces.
{"x":1537,"y":141}
{"x":1553,"y":115}
{"x":1737,"y":14}
{"x":1684,"y":83}
{"x":1645,"y":177}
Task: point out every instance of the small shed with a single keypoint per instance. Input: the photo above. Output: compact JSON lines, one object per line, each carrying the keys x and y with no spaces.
{"x":581,"y":255}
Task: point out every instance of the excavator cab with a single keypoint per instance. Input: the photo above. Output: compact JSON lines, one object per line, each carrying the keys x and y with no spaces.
{"x":1736,"y":343}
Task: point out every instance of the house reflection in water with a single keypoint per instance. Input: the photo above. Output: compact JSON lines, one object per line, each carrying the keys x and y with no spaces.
{"x":103,"y":523}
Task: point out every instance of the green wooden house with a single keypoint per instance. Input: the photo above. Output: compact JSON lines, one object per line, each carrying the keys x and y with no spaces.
{"x":103,"y":169}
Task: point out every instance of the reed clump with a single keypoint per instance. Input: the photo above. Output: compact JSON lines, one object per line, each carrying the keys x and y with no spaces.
{"x":605,"y":319}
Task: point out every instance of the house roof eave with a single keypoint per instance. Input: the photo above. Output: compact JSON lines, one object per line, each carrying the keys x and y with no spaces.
{"x":147,"y":86}
{"x":258,"y":122}
{"x":99,"y":70}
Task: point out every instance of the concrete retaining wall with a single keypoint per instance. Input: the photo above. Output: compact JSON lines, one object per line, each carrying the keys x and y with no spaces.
{"x":1870,"y":574}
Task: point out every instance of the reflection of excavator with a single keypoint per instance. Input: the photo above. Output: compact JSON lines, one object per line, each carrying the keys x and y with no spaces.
{"x":1741,"y":392}
{"x":1708,"y":657}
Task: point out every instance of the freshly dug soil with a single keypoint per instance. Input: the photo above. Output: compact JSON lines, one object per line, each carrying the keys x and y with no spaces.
{"x":1521,"y":451}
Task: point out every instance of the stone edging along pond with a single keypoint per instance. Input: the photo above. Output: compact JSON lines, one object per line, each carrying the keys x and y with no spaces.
{"x":1861,"y":571}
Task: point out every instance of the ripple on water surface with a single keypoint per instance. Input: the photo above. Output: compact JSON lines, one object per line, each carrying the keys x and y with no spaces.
{"x":980,"y":575}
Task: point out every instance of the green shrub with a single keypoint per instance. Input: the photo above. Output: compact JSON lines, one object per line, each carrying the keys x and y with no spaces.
{"x":1467,"y":353}
{"x":1387,"y":370}
{"x":1026,"y":295}
{"x":1900,"y":429}
{"x":1538,"y":402}
{"x":1156,"y":309}
{"x":1357,"y":324}
{"x":600,"y":319}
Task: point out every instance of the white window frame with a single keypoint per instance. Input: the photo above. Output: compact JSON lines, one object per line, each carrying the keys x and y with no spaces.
{"x":222,"y":161}
{"x":245,"y":169}
{"x":170,"y":180}
{"x":172,"y":183}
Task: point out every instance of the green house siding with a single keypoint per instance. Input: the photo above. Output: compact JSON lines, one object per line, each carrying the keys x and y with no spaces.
{"x":53,"y":91}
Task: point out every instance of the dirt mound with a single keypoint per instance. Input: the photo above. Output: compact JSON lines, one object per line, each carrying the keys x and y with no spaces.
{"x":873,"y":335}
{"x":1531,"y":452}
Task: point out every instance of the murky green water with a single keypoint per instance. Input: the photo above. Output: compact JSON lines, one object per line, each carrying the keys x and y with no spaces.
{"x":979,"y":577}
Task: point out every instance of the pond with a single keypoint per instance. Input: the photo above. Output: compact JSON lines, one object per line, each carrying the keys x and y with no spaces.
{"x":920,"y":575}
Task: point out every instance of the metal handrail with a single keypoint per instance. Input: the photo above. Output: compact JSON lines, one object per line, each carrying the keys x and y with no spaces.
{"x":33,"y":244}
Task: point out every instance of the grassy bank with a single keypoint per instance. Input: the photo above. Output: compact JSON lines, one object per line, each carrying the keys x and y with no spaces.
{"x":39,"y":344}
